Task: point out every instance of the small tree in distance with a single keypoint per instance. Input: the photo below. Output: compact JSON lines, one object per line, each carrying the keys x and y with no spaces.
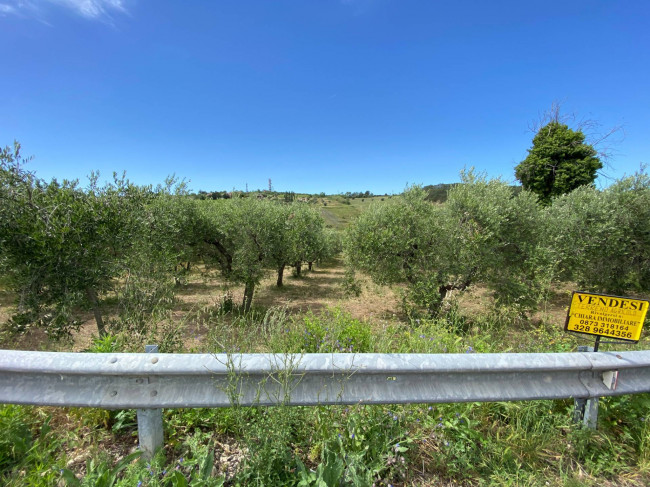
{"x":559,"y":162}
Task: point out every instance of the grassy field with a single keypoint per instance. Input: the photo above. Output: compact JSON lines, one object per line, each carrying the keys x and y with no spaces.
{"x":339,"y":212}
{"x":524,"y":443}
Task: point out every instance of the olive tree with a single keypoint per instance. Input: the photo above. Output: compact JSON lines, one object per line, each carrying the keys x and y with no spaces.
{"x":296,"y":237}
{"x":602,"y":238}
{"x":508,"y":231}
{"x":240,"y":233}
{"x":483,"y":233}
{"x":62,"y":246}
{"x":404,"y":240}
{"x":164,"y":242}
{"x":305,"y":235}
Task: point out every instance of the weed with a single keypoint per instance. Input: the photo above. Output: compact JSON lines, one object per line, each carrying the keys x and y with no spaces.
{"x":16,"y":438}
{"x":98,"y":474}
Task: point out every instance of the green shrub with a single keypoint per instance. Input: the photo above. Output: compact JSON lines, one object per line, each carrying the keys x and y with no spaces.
{"x":331,"y":331}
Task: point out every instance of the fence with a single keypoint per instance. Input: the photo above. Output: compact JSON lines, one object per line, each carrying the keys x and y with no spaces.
{"x":149,"y":381}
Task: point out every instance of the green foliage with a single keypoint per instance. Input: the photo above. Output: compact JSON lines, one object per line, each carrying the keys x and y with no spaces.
{"x":602,"y":238}
{"x":16,"y":438}
{"x":361,"y":446}
{"x":559,"y":162}
{"x":40,"y":450}
{"x":99,"y":474}
{"x":505,"y":234}
{"x":64,"y":247}
{"x":437,"y":192}
{"x":106,"y":344}
{"x":329,"y":332}
{"x":246,"y":238}
{"x":483,"y":233}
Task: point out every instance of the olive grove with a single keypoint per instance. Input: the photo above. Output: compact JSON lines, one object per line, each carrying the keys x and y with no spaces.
{"x":506,"y":240}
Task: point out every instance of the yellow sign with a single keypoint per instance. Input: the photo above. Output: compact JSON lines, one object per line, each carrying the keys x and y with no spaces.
{"x":607,"y":316}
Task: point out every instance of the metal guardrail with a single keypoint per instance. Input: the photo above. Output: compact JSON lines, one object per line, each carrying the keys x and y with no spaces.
{"x":156,"y":380}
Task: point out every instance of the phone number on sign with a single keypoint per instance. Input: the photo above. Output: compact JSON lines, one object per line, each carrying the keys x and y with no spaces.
{"x":609,"y":329}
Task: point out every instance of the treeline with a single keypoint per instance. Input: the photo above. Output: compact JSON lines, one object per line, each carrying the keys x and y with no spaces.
{"x":508,"y":240}
{"x":65,"y":249}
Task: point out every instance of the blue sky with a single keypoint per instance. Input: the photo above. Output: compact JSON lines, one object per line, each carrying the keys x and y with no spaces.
{"x":318,"y":95}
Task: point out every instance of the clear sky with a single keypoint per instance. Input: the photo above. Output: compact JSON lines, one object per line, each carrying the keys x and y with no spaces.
{"x":318,"y":95}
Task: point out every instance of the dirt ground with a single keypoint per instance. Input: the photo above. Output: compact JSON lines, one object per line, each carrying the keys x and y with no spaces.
{"x":314,"y":291}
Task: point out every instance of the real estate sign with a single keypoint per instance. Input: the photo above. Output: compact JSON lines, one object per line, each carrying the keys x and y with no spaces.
{"x":607,"y":316}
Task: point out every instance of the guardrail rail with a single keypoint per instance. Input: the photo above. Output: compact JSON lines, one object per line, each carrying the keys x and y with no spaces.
{"x":149,"y":381}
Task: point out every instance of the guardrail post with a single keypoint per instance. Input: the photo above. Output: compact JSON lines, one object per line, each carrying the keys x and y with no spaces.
{"x":586,"y":410}
{"x":150,"y":426}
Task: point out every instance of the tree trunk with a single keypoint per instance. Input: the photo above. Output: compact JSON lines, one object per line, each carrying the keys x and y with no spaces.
{"x":248,"y":296}
{"x":298,"y":268}
{"x":224,"y":257}
{"x":92,"y":297}
{"x":309,"y":265}
{"x":280,"y":275}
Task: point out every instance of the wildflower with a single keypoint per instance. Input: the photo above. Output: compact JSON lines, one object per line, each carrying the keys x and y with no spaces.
{"x":430,"y":408}
{"x":139,"y":483}
{"x":394,"y":418}
{"x":352,"y":436}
